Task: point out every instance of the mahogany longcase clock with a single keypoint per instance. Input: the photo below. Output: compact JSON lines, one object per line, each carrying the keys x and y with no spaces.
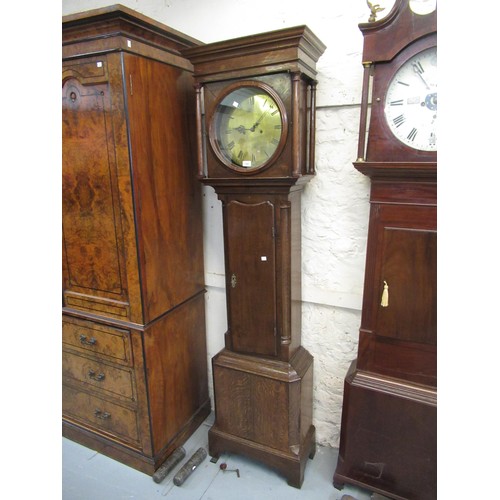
{"x":256,"y":121}
{"x":388,"y":431}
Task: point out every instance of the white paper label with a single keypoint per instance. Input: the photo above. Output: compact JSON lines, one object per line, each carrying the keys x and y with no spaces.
{"x":247,"y":163}
{"x":263,"y":258}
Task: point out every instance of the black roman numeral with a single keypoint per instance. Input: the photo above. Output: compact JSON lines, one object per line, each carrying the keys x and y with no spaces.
{"x":417,"y":67}
{"x":411,"y":136}
{"x":399,"y":120}
{"x":399,"y":102}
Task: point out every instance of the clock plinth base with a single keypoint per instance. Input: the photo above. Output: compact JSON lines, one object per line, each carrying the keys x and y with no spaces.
{"x":289,"y":465}
{"x":264,"y":411}
{"x":388,"y":437}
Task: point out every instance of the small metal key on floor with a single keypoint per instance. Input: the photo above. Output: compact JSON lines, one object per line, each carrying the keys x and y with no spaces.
{"x":189,"y":467}
{"x":223,"y":468}
{"x":169,"y":464}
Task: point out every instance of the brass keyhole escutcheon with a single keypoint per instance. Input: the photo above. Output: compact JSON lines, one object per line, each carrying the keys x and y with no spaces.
{"x":233,"y":281}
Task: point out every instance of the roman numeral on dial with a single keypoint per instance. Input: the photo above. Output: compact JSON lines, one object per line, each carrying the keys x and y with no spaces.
{"x":411,"y":136}
{"x":399,"y":120}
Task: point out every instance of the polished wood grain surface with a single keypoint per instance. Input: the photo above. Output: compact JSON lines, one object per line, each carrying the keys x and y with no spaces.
{"x":264,"y":410}
{"x":176,"y":369}
{"x":251,"y":265}
{"x":160,"y":103}
{"x":134,"y":346}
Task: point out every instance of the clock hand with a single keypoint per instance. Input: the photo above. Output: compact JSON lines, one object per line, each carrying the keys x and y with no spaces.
{"x":257,"y":122}
{"x":241,"y":129}
{"x":418,"y":70}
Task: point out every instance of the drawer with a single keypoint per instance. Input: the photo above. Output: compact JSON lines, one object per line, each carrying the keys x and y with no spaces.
{"x":101,"y":414}
{"x":112,"y":380}
{"x":104,"y":340}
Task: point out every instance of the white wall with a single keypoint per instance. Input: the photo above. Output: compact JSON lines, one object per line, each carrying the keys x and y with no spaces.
{"x":335,"y":203}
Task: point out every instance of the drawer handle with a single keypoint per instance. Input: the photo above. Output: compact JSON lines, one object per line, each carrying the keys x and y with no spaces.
{"x":98,"y":378}
{"x":84,"y":341}
{"x":103,"y":415}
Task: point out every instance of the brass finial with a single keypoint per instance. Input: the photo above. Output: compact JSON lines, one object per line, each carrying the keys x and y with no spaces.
{"x":374,"y":9}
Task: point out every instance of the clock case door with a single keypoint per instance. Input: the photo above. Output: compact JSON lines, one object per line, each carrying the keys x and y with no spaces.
{"x":398,"y":339}
{"x":252,"y":271}
{"x":263,"y":278}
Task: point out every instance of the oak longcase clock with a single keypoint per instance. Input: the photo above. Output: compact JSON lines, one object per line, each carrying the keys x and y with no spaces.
{"x":388,"y":430}
{"x":255,"y":123}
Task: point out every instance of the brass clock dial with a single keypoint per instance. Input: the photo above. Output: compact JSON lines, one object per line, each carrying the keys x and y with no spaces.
{"x":248,"y":128}
{"x":410,"y":106}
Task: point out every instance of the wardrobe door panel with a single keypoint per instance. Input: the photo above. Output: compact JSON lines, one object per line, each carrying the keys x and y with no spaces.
{"x":93,"y":264}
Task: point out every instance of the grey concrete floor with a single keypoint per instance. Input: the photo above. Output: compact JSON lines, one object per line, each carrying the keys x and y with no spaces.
{"x":88,"y":475}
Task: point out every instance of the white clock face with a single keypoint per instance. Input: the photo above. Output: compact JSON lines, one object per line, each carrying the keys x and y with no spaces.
{"x":410,"y":106}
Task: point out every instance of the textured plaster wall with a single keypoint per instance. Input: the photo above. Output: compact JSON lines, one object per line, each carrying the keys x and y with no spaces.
{"x":335,"y":203}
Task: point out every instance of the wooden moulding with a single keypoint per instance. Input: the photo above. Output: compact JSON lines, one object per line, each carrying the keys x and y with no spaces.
{"x":294,"y":49}
{"x":267,"y":367}
{"x":118,"y":28}
{"x":398,"y":170}
{"x":394,"y":387}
